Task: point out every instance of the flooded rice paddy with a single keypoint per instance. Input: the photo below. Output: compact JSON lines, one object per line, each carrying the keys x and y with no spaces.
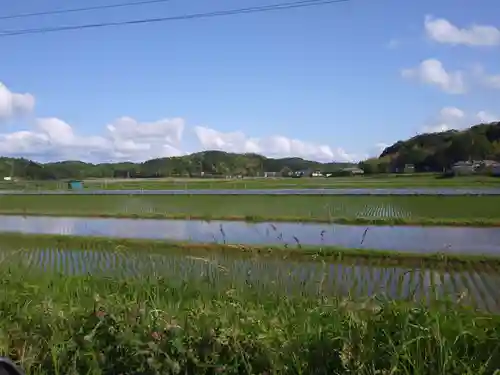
{"x":456,"y":209}
{"x":339,"y":191}
{"x":477,"y":287}
{"x":403,"y":239}
{"x":345,"y":208}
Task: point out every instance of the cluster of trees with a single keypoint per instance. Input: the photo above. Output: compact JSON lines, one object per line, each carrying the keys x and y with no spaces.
{"x":432,"y":152}
{"x":208,"y":163}
{"x":435,"y":152}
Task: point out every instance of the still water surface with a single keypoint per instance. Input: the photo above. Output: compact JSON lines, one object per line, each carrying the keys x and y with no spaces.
{"x":398,"y":238}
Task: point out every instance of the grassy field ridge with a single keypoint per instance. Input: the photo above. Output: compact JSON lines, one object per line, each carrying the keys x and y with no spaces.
{"x":88,"y":325}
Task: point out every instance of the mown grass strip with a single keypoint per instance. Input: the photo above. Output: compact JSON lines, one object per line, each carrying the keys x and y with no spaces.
{"x":330,"y":253}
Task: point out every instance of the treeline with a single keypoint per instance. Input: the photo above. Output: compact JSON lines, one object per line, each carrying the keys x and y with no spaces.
{"x":208,"y":163}
{"x":435,"y":152}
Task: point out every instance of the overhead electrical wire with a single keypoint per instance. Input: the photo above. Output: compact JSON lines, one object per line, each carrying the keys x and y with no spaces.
{"x":85,"y":9}
{"x":256,"y":9}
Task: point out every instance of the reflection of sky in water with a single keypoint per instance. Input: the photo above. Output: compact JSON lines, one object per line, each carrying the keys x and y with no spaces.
{"x":288,"y":276}
{"x":415,"y":239}
{"x":70,"y":226}
{"x":365,"y":191}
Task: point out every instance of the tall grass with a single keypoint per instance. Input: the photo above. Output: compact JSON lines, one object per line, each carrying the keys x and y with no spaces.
{"x":55,"y":324}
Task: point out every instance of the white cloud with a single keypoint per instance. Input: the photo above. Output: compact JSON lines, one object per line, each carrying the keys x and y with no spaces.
{"x":275,"y":146}
{"x":447,"y":118}
{"x":487,"y":80}
{"x":486,"y":117}
{"x":125,"y":139}
{"x":14,"y":104}
{"x":128,"y":139}
{"x":432,"y":72}
{"x":153,"y":139}
{"x":450,"y":118}
{"x":165,"y":130}
{"x":56,"y":130}
{"x":443,"y":31}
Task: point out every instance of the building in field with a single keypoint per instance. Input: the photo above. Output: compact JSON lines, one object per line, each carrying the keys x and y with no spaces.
{"x":272,"y":174}
{"x":463,"y":168}
{"x":353,"y":171}
{"x":317,"y":174}
{"x":486,"y":167}
{"x":75,"y":185}
{"x":409,"y":168}
{"x":303,"y":173}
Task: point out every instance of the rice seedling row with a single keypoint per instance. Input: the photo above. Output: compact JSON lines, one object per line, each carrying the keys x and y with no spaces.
{"x":311,"y":278}
{"x":310,"y":208}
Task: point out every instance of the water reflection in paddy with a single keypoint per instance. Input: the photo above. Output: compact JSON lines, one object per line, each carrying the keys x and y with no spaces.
{"x":399,"y":238}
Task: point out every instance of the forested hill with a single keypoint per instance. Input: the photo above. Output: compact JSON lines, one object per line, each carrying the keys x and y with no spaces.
{"x":209,"y":162}
{"x":436,"y":151}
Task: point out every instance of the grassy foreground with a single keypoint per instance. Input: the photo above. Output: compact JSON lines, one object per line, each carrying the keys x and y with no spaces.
{"x":395,"y":210}
{"x":52,"y":324}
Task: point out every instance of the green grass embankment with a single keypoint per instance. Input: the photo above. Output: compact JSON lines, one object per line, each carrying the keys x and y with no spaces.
{"x":286,"y":252}
{"x":376,"y":210}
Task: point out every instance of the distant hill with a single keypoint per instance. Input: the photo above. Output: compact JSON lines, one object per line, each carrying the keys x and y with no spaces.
{"x":438,"y":151}
{"x":208,"y":162}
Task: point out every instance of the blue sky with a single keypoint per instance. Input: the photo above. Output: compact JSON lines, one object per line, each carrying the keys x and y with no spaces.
{"x":333,"y":82}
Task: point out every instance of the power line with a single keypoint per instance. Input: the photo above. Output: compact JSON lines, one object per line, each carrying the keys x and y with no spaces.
{"x":75,"y":10}
{"x":256,"y":9}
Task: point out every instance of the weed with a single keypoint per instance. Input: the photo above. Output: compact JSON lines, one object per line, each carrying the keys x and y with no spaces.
{"x":55,"y":324}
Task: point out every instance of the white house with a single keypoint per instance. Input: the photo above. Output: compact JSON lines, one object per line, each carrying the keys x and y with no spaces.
{"x":463,"y":168}
{"x":271,"y":174}
{"x":353,"y":171}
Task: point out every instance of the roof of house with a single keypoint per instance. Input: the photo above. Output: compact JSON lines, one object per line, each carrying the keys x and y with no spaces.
{"x":489,"y":163}
{"x":352,"y":169}
{"x":463,"y":164}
